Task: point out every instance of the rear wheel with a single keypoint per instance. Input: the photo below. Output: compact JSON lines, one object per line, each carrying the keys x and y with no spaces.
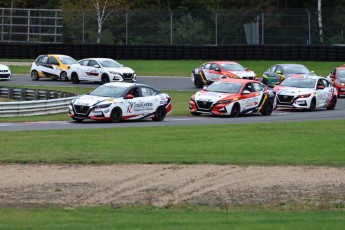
{"x":235,"y":111}
{"x":159,"y":114}
{"x":75,"y":78}
{"x":312,"y":105}
{"x":116,"y":115}
{"x":333,"y":103}
{"x":63,"y":76}
{"x":77,"y":119}
{"x":198,"y":82}
{"x":268,"y":109}
{"x":105,"y":79}
{"x":34,"y":75}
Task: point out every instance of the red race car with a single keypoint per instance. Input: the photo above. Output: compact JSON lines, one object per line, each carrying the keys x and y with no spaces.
{"x":232,"y":97}
{"x":212,"y":71}
{"x":337,"y":78}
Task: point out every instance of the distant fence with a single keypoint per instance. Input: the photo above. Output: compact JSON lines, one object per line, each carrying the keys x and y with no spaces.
{"x":29,"y":102}
{"x":178,"y":52}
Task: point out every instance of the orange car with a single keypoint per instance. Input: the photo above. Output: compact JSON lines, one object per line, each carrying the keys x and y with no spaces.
{"x":212,"y":71}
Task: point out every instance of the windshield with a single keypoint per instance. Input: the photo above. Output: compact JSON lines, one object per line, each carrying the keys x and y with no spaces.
{"x":225,"y":87}
{"x":108,"y":91}
{"x":232,"y":67}
{"x":299,"y":82}
{"x":296,"y":69}
{"x":67,"y":60}
{"x":341,"y":73}
{"x":109,"y":63}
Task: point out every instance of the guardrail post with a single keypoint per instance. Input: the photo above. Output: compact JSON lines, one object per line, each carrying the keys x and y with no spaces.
{"x":23,"y":95}
{"x":10,"y":93}
{"x":47,"y":94}
{"x":36,"y":94}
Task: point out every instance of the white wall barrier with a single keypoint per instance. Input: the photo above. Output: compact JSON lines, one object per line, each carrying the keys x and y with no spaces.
{"x":53,"y":102}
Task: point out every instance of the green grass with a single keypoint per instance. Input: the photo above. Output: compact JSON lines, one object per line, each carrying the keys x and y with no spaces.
{"x":298,"y":143}
{"x":183,"y":68}
{"x":153,"y":218}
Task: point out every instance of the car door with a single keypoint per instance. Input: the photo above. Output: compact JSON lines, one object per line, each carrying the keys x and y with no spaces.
{"x":93,"y":70}
{"x":139,"y":105}
{"x":44,"y":66}
{"x":210,"y":72}
{"x":53,"y":66}
{"x":250,"y":98}
{"x":324,"y":92}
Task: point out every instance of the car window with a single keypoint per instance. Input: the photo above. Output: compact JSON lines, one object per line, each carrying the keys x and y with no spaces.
{"x":53,"y":60}
{"x":273,"y":68}
{"x":92,"y":63}
{"x":135,"y":92}
{"x":207,"y":66}
{"x":325,"y":83}
{"x":146,"y":92}
{"x":83,"y":62}
{"x":279,"y":68}
{"x":43,"y":59}
{"x":214,"y":66}
{"x":249,"y":87}
{"x":258,"y":87}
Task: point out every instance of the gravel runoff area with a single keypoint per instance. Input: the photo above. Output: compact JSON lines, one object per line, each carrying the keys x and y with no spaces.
{"x":23,"y":185}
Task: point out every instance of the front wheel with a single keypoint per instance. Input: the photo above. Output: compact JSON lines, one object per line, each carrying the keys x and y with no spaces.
{"x":159,"y":114}
{"x":235,"y":111}
{"x":195,"y":113}
{"x":34,"y":75}
{"x":116,"y":115}
{"x":198,"y":82}
{"x":312,"y":105}
{"x":63,"y":76}
{"x":105,"y":79}
{"x":77,"y":119}
{"x":268,"y":109}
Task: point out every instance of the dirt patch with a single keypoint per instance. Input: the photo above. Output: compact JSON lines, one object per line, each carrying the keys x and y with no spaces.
{"x":164,"y":185}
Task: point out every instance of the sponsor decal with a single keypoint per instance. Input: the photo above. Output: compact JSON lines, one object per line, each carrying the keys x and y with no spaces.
{"x":139,"y":106}
{"x":92,"y":73}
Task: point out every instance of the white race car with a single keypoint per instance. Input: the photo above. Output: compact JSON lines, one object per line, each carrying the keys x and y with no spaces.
{"x":101,"y":70}
{"x":5,"y":72}
{"x":118,"y":101}
{"x":306,"y":92}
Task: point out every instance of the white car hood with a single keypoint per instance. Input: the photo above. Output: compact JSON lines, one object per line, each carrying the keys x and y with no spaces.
{"x":120,"y":69}
{"x":242,"y":74}
{"x":210,"y":96}
{"x":3,"y":67}
{"x":89,"y":100}
{"x":292,"y":91}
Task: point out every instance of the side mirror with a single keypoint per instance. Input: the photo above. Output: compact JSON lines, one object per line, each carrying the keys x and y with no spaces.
{"x":331,"y":76}
{"x":278,"y":72}
{"x":217,"y":69}
{"x":96,"y":66}
{"x":278,"y":83}
{"x":246,"y":92}
{"x":312,"y":71}
{"x":129,"y":96}
{"x":320,"y":87}
{"x":205,"y":87}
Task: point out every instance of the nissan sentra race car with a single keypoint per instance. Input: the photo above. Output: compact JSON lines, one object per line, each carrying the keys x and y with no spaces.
{"x":337,"y":78}
{"x":306,"y":92}
{"x":118,"y":101}
{"x":101,"y":70}
{"x":213,"y":71}
{"x":232,"y":97}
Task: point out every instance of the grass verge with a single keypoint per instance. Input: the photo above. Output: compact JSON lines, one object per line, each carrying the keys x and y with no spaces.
{"x":298,"y":143}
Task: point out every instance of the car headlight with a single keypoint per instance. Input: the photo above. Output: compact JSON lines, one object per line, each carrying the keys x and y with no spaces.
{"x":102,"y":106}
{"x":304,"y":95}
{"x":224,"y":101}
{"x":115,"y":73}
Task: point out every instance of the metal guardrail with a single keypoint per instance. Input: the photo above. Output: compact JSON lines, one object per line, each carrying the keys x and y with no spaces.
{"x":30,"y":102}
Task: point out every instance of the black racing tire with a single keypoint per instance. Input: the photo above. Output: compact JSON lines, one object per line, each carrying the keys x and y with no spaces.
{"x":195,"y":113}
{"x":235,"y":111}
{"x":63,"y":76}
{"x":116,"y":115}
{"x":105,"y":78}
{"x":77,"y":119}
{"x":268,"y":109}
{"x":198,"y":81}
{"x":34,"y":75}
{"x":333,"y":103}
{"x":159,"y":114}
{"x":75,"y":78}
{"x":312,"y":105}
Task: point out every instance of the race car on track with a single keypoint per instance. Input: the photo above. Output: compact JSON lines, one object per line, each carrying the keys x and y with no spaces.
{"x":117,"y":101}
{"x":277,"y":73}
{"x":306,"y":92}
{"x":5,"y":72}
{"x":212,"y":71}
{"x":337,"y":78}
{"x":232,"y":97}
{"x":53,"y":66}
{"x":101,"y":70}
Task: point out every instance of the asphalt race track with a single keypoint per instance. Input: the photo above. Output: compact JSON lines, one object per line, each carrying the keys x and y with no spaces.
{"x":165,"y":83}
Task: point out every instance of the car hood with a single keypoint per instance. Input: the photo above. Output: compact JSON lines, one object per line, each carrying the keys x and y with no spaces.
{"x":89,"y":100}
{"x":119,"y":69}
{"x":3,"y":66}
{"x":212,"y":96}
{"x":292,"y":91}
